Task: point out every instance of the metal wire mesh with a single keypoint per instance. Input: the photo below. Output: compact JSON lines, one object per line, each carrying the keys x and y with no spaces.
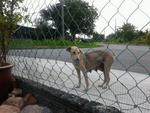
{"x":130,"y":74}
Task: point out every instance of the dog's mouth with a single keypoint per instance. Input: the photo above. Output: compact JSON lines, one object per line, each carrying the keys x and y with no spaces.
{"x":77,"y":61}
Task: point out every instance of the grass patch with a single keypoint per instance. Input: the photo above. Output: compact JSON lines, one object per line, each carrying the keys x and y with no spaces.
{"x":61,"y":43}
{"x":17,"y":43}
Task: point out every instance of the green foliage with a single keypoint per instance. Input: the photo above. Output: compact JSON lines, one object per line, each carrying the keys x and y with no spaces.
{"x":8,"y":21}
{"x":115,"y":41}
{"x":143,"y":40}
{"x":51,"y":43}
{"x":148,"y":39}
{"x":98,"y":37}
{"x":79,"y":17}
{"x":127,"y":33}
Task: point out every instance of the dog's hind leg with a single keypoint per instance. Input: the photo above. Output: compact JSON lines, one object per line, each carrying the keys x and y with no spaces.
{"x":105,"y":69}
{"x":79,"y":78}
{"x":106,"y":79}
{"x":106,"y":75}
{"x":107,"y":66}
{"x":101,"y":68}
{"x":103,"y":81}
{"x":86,"y":80}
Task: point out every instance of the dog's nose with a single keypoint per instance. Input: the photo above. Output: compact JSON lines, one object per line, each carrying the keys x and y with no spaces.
{"x":77,"y":60}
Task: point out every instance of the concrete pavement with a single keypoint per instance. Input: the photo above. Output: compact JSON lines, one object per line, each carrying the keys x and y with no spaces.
{"x":128,"y":91}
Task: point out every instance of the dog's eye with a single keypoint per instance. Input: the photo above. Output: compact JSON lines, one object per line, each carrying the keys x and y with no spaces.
{"x":74,"y":52}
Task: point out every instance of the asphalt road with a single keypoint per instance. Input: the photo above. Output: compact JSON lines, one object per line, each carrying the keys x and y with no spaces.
{"x":129,"y":58}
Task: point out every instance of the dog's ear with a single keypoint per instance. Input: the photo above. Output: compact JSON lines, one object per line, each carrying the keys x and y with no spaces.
{"x":80,"y":51}
{"x":68,"y":49}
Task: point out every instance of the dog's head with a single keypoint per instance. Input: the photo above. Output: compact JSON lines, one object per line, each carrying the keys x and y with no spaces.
{"x":75,"y":52}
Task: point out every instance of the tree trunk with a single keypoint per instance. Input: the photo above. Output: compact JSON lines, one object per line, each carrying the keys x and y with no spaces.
{"x":1,"y":8}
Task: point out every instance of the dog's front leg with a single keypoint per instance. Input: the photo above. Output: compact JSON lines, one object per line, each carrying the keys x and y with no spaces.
{"x":79,"y":78}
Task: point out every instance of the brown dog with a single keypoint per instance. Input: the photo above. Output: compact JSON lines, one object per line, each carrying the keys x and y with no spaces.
{"x":86,"y":62}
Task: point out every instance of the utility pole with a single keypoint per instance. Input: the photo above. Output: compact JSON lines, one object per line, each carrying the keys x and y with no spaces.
{"x":62,"y":2}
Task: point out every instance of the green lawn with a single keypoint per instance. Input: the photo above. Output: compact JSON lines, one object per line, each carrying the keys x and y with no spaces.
{"x":61,"y":43}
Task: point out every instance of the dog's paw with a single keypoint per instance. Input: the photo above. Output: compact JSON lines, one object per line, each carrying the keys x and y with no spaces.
{"x":77,"y":86}
{"x":100,"y":85}
{"x":104,"y":87}
{"x":86,"y":89}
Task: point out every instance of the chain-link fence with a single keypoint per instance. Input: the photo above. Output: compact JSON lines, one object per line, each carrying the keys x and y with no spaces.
{"x":39,"y":48}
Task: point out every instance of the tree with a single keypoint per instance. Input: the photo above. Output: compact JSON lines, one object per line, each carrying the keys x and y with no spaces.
{"x":128,"y":32}
{"x":8,"y":21}
{"x":98,"y":37}
{"x":79,"y":17}
{"x":45,"y":31}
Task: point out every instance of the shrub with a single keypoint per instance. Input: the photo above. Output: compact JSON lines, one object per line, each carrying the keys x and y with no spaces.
{"x":143,"y":40}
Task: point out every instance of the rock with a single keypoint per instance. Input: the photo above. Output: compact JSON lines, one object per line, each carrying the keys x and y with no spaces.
{"x":15,"y":101}
{"x":35,"y":109}
{"x":16,"y":92}
{"x":9,"y":109}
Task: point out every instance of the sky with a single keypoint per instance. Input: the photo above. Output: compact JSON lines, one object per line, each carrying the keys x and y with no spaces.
{"x":112,"y":13}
